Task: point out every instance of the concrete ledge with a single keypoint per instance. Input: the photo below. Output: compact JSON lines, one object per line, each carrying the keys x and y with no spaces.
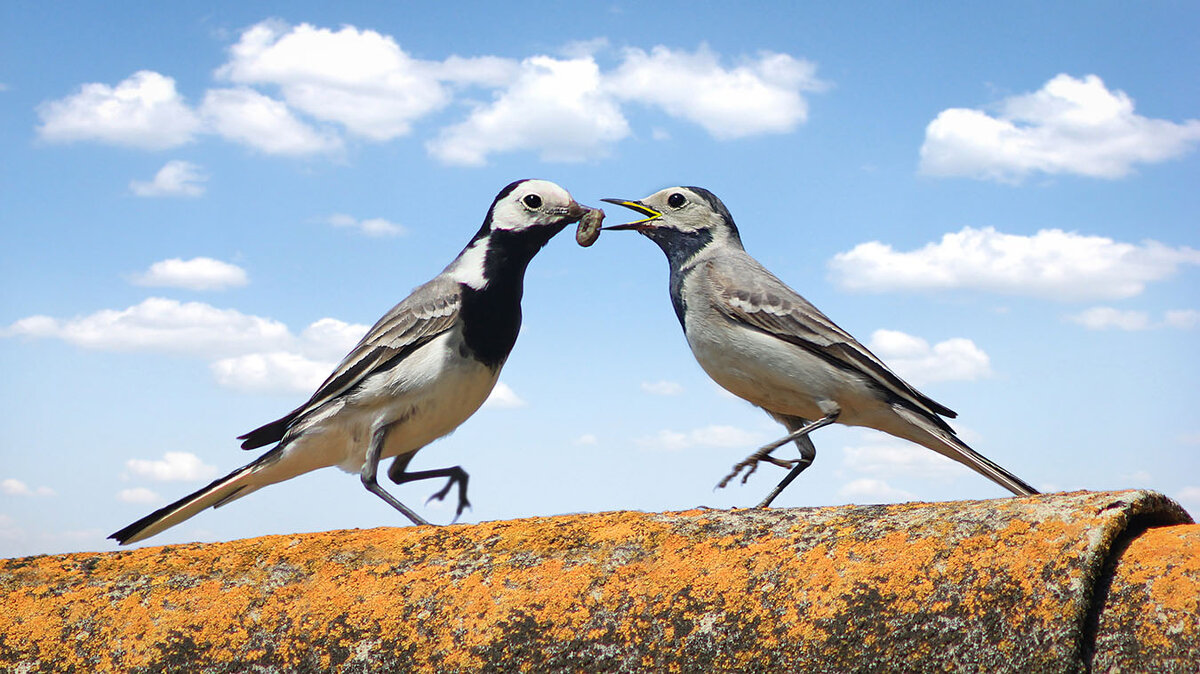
{"x":1049,"y":583}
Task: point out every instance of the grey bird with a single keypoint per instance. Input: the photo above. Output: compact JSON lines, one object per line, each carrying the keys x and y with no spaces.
{"x":763,"y":342}
{"x":418,"y":374}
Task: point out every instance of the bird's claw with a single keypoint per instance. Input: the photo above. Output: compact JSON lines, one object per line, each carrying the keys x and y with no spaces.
{"x":751,"y":462}
{"x":441,"y":494}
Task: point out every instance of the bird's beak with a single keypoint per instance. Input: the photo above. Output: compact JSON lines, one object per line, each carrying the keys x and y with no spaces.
{"x":576,"y":211}
{"x":637,"y":225}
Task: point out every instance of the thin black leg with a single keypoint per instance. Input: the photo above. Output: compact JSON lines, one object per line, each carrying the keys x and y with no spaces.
{"x":807,"y":454}
{"x":371,"y":466}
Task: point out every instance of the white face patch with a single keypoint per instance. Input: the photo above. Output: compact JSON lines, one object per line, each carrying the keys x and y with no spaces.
{"x":533,"y":203}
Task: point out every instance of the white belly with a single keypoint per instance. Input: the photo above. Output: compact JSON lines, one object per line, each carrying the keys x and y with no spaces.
{"x":771,"y":373}
{"x":421,"y":399}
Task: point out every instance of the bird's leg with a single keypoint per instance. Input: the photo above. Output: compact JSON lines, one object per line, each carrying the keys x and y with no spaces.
{"x":399,"y":474}
{"x":371,"y":467}
{"x":764,"y":454}
{"x":807,"y":454}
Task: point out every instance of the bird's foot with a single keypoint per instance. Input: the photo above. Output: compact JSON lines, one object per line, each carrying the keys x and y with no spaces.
{"x":458,"y":477}
{"x":751,"y":463}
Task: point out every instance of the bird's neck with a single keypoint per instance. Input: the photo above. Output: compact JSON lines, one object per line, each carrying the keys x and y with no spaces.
{"x":492,"y":273}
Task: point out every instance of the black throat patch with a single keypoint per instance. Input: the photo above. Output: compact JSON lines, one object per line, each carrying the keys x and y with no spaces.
{"x":679,"y":247}
{"x":491,"y":315}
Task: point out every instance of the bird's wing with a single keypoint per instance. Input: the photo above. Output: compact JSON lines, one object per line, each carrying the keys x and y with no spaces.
{"x":429,"y":311}
{"x":746,"y":292}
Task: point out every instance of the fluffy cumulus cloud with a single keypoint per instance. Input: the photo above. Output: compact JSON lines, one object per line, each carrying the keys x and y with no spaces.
{"x":14,"y":487}
{"x":761,"y":95}
{"x":253,"y":119}
{"x":172,"y":467}
{"x":138,"y":495}
{"x":158,"y":324}
{"x":873,"y":490}
{"x":913,"y":358}
{"x":369,"y":226}
{"x":304,"y":90}
{"x":198,"y":273}
{"x":1069,"y":126}
{"x":360,"y":79}
{"x":300,"y":366}
{"x":880,"y":456}
{"x":709,"y":436}
{"x":177,"y":178}
{"x":1109,"y":318}
{"x":503,"y":398}
{"x":143,"y":111}
{"x":555,"y":107}
{"x":1050,"y":264}
{"x":246,"y":352}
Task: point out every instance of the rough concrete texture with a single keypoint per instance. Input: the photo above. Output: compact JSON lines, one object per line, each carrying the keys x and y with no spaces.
{"x":1028,"y":584}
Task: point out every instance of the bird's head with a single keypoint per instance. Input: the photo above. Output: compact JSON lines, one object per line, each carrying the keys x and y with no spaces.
{"x":681,"y":220}
{"x":538,"y":208}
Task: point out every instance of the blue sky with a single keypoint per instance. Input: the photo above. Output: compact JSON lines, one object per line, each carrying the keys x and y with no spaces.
{"x":203,"y":209}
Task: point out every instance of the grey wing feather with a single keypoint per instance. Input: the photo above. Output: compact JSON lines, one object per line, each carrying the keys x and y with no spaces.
{"x":430,"y":310}
{"x":759,"y":299}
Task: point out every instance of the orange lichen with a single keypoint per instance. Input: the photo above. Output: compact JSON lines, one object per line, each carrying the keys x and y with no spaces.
{"x":932,"y":586}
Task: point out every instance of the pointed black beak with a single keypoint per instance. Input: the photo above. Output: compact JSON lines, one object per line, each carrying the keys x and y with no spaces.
{"x":637,"y":225}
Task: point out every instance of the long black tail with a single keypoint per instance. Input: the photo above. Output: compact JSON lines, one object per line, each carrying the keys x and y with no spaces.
{"x":234,"y":485}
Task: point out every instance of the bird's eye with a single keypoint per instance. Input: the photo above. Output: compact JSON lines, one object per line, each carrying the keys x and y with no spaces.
{"x":676,"y":200}
{"x":532,"y":201}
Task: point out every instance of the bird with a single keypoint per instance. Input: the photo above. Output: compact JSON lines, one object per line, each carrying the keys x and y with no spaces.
{"x":425,"y":367}
{"x":760,"y":340}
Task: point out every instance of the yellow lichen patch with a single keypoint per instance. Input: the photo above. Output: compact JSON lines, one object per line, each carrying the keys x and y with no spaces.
{"x":922,"y":586}
{"x":1154,"y":597}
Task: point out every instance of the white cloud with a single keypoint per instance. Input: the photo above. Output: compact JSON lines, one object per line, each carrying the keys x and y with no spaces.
{"x":360,"y":79}
{"x":557,"y":108}
{"x":759,"y":96}
{"x":263,"y":123}
{"x":882,"y":455}
{"x":1068,"y":126}
{"x":1104,"y":318}
{"x":956,"y":359}
{"x":198,"y":273}
{"x":273,"y":371}
{"x":1051,"y":264}
{"x":248,"y":352}
{"x":177,"y":178}
{"x":139,"y":495}
{"x":873,"y":490}
{"x":503,"y":398}
{"x":301,"y":369}
{"x":662,"y":388}
{"x":370,"y":226}
{"x":297,"y":90}
{"x":142,"y":111}
{"x":158,"y":324}
{"x":15,"y":487}
{"x":173,"y":467}
{"x":709,"y":436}
{"x":1109,"y":318}
{"x":1184,"y":319}
{"x":587,"y":440}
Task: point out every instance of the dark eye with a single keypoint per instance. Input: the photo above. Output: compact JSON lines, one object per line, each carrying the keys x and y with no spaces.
{"x":676,"y":200}
{"x":532,"y":201}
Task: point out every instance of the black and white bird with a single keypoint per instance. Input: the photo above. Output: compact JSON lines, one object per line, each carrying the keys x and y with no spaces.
{"x":763,"y":342}
{"x":418,"y":374}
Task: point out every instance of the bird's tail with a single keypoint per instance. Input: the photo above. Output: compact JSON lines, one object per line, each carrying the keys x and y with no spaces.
{"x":949,"y":445}
{"x":233,"y":486}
